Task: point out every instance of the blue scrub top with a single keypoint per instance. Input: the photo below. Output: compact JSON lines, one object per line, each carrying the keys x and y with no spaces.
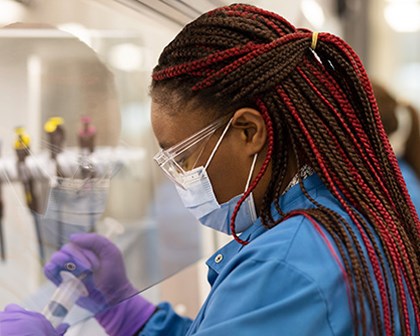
{"x":284,"y":282}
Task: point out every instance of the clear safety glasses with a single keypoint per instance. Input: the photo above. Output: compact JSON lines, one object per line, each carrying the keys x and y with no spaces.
{"x":183,"y":157}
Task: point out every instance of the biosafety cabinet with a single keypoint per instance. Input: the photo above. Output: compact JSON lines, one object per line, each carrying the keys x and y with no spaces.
{"x":74,"y":111}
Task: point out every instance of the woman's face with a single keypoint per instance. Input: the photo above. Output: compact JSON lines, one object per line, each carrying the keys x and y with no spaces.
{"x":231,"y":164}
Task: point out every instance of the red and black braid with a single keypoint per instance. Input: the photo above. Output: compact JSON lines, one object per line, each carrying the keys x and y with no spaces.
{"x":321,"y":105}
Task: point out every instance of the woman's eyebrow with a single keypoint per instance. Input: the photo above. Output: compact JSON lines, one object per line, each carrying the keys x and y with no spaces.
{"x":164,"y":145}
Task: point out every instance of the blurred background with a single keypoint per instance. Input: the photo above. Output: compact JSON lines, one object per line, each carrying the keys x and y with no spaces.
{"x":76,"y":58}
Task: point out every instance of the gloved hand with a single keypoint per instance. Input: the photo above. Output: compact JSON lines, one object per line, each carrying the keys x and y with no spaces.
{"x":100,"y":266}
{"x":127,"y":317}
{"x":16,"y":321}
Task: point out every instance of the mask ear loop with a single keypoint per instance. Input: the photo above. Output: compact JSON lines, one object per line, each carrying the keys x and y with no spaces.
{"x":254,"y":161}
{"x":201,"y":152}
{"x":218,"y":144}
{"x":250,"y":198}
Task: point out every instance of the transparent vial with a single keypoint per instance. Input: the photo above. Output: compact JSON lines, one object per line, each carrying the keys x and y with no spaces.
{"x":64,"y":298}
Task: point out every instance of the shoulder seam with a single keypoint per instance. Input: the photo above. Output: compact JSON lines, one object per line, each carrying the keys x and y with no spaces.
{"x":319,"y":290}
{"x":293,"y":238}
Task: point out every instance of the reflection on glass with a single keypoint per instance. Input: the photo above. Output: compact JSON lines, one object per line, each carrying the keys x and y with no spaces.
{"x":66,"y":168}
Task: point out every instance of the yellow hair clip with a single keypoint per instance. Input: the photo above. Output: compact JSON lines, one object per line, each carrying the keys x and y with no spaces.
{"x":314,"y":40}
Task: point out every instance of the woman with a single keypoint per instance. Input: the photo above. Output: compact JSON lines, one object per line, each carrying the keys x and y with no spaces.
{"x":273,"y":133}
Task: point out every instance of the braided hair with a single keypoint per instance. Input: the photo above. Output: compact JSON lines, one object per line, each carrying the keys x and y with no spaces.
{"x":318,"y":105}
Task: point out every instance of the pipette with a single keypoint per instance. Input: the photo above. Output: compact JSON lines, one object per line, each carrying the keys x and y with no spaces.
{"x":72,"y":287}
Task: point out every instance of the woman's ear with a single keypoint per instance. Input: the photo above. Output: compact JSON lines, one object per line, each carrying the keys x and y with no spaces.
{"x":250,"y":124}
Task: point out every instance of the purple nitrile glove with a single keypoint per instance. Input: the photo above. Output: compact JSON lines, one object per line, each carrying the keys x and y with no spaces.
{"x":16,"y":321}
{"x":98,"y":263}
{"x":127,"y":317}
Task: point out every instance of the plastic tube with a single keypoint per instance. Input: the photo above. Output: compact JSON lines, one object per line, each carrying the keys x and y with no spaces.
{"x":64,"y":298}
{"x":72,"y":288}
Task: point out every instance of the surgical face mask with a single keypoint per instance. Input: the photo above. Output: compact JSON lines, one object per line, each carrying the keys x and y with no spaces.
{"x":74,"y":205}
{"x":199,"y":198}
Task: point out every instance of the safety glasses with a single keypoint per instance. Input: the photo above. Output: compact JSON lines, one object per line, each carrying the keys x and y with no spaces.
{"x":177,"y":160}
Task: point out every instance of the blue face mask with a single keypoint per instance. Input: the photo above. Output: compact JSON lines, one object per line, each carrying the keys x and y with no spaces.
{"x":199,"y":198}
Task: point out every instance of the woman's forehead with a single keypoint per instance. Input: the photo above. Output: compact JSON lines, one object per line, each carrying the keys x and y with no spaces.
{"x":171,"y":127}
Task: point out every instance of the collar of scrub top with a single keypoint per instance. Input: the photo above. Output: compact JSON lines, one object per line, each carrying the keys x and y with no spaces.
{"x":287,"y":203}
